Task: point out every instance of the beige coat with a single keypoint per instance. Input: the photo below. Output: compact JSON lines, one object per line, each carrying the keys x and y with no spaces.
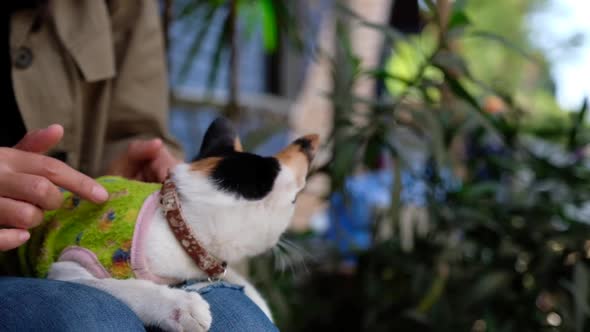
{"x":97,"y":67}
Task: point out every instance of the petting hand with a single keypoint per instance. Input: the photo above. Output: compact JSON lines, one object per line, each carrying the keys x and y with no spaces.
{"x":144,"y":160}
{"x":29,"y":185}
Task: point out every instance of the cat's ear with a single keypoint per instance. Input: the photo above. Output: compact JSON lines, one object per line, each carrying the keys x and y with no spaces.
{"x":299,"y":155}
{"x":220,"y":139}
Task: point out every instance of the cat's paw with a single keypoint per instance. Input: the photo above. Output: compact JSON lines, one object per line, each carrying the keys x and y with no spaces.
{"x":185,"y":311}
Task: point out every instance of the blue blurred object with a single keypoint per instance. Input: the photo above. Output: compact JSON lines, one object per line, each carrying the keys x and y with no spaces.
{"x":352,"y":215}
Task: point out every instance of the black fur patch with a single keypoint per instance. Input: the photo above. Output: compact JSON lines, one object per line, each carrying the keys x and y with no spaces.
{"x":219,"y":139}
{"x":305,"y":147}
{"x":247,"y":175}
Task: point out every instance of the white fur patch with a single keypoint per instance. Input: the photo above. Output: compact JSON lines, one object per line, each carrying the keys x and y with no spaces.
{"x":230,"y":228}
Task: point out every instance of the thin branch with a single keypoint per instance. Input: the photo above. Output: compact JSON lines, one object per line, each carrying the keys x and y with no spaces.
{"x":233,"y":110}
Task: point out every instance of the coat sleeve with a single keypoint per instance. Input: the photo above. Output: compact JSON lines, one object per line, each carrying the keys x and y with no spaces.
{"x":140,"y":99}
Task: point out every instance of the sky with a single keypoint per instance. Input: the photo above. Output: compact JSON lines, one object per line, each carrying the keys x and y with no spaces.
{"x":551,"y":27}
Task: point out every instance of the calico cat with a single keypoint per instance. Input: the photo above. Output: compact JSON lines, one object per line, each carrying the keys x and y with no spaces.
{"x":224,"y":206}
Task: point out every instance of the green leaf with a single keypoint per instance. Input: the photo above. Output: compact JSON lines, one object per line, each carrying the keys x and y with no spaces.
{"x":503,"y":41}
{"x":198,"y":42}
{"x":459,"y":19}
{"x":433,"y":295}
{"x":431,"y":6}
{"x":191,"y":8}
{"x":220,"y":50}
{"x":578,"y":123}
{"x":396,"y":192}
{"x":269,"y":25}
{"x":288,"y":23}
{"x":452,"y":62}
{"x":490,"y":284}
{"x":580,"y":292}
{"x":460,"y":91}
{"x":383,"y":74}
{"x":476,"y":191}
{"x":344,"y":159}
{"x":387,"y":31}
{"x":434,"y":127}
{"x":250,"y":16}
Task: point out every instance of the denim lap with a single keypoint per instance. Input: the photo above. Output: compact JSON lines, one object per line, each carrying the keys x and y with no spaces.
{"x":49,"y":305}
{"x":232,"y":310}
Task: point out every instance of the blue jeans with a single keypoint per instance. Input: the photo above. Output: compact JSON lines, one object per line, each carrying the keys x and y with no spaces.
{"x":48,"y":305}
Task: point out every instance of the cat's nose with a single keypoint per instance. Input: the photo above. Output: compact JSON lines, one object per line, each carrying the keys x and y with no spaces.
{"x":308,"y":145}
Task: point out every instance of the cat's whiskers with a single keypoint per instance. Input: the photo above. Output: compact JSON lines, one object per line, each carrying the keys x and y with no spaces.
{"x":289,"y":254}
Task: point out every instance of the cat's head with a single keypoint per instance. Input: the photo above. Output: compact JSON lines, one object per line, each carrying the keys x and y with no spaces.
{"x":240,"y":203}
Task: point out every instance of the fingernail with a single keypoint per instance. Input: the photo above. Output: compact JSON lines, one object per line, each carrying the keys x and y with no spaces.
{"x":55,"y":127}
{"x":99,"y":193}
{"x":42,"y":130}
{"x":24,"y":236}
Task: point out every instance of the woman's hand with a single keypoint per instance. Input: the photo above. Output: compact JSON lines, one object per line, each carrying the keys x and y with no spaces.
{"x":144,"y":160}
{"x":29,"y":184}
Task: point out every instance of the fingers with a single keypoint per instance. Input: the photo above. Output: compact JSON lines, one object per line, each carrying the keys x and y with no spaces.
{"x":12,"y":238}
{"x":158,"y":169}
{"x":164,"y":165}
{"x":140,"y":150}
{"x":41,"y":141}
{"x":144,"y":161}
{"x":33,"y":189}
{"x":61,"y":175}
{"x":161,"y":174}
{"x":19,"y":214}
{"x":132,"y":163}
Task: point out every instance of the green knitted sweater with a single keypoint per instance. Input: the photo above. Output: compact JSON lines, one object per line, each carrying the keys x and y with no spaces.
{"x":105,"y":230}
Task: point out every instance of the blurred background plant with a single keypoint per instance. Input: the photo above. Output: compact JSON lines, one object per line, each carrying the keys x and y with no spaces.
{"x":224,"y":17}
{"x":458,"y":190}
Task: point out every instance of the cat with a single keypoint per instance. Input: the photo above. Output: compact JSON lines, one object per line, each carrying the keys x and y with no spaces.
{"x":236,"y":203}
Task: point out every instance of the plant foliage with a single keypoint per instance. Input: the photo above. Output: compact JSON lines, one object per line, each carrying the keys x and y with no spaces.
{"x":509,"y":247}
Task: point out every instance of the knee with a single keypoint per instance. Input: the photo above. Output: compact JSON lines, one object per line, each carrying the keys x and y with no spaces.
{"x":232,"y":310}
{"x":28,"y":304}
